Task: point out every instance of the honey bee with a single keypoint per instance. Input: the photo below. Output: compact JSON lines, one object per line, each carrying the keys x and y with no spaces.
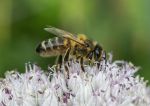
{"x":67,"y":45}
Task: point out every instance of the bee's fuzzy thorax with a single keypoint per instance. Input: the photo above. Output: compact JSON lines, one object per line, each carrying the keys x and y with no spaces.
{"x":82,"y":37}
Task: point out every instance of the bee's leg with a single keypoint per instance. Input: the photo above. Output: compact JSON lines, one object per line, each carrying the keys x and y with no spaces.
{"x":65,"y":60}
{"x":98,"y":64}
{"x":82,"y":65}
{"x":78,"y":59}
{"x":66,"y":56}
{"x":103,"y":58}
{"x":59,"y":62}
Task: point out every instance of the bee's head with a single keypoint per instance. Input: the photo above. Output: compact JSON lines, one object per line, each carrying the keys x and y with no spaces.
{"x":97,"y":52}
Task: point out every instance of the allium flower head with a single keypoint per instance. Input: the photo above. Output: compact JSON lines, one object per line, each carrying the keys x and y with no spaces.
{"x":112,"y":84}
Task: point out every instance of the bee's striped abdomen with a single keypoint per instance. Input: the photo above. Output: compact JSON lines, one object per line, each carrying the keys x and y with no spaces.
{"x":52,"y":43}
{"x":51,"y":47}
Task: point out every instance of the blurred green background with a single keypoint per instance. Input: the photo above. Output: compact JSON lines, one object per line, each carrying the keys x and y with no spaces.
{"x":121,"y":26}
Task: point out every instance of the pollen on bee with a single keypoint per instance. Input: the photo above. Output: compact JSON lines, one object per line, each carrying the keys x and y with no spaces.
{"x":82,"y":37}
{"x":65,"y":42}
{"x":95,"y":42}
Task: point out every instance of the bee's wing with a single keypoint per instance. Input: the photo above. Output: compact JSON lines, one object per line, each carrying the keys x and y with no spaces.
{"x":59,"y":32}
{"x":62,"y":33}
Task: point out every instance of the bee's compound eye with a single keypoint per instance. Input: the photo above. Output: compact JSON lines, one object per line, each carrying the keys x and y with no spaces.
{"x":97,"y":52}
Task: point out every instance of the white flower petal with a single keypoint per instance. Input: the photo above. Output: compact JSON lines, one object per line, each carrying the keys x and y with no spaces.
{"x":113,"y":84}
